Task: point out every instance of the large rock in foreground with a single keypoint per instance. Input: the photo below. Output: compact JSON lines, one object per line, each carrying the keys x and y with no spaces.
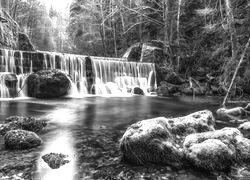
{"x":20,"y":139}
{"x":55,"y":160}
{"x":217,"y":150}
{"x":156,"y":140}
{"x":48,"y":84}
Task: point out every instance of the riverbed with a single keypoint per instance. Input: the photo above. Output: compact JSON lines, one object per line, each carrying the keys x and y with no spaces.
{"x":88,"y":131}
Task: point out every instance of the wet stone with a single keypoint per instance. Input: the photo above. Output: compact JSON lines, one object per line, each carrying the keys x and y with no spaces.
{"x":55,"y":160}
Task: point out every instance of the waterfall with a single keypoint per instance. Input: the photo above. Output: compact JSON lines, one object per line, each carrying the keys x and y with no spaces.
{"x":98,"y":75}
{"x":74,"y":65}
{"x":4,"y":91}
{"x":118,"y":77}
{"x":13,"y":74}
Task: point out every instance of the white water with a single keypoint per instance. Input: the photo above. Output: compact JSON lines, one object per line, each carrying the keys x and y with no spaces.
{"x":113,"y":76}
{"x":119,"y":77}
{"x":74,"y":65}
{"x":11,"y":66}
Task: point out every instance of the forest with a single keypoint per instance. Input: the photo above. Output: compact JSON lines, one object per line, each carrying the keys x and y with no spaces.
{"x":196,"y":37}
{"x":125,"y":89}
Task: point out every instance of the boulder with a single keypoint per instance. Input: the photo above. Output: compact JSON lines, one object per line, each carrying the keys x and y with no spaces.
{"x":137,"y":91}
{"x":48,"y":84}
{"x":21,"y":139}
{"x":231,"y":114}
{"x":211,"y":154}
{"x":133,"y":53}
{"x":4,"y":128}
{"x":151,"y":53}
{"x":216,"y":150}
{"x":55,"y":160}
{"x":33,"y":124}
{"x":150,"y":141}
{"x":167,"y":89}
{"x":155,"y":140}
{"x":175,"y":79}
{"x":24,"y":123}
{"x":245,"y":129}
{"x":13,"y":118}
{"x":24,"y":43}
{"x":197,"y":122}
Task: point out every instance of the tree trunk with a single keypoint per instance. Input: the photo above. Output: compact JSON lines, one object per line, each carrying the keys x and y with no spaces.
{"x":114,"y":29}
{"x":236,"y":71}
{"x":103,"y":29}
{"x":178,"y":34}
{"x":230,"y":21}
{"x":166,"y":25}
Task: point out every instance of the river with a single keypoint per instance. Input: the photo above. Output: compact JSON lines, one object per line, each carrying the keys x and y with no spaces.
{"x":88,"y":130}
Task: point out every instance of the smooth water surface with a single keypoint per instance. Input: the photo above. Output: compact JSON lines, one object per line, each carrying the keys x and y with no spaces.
{"x":89,"y":129}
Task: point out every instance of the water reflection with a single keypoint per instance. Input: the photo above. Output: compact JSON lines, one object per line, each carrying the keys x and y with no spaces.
{"x":74,"y":125}
{"x":90,"y":115}
{"x":61,"y":143}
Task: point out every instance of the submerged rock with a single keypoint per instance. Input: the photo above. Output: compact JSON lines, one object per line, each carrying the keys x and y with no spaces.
{"x":4,"y":128}
{"x":155,"y":140}
{"x":13,"y":118}
{"x":21,"y":139}
{"x":48,"y":84}
{"x":245,"y":129}
{"x":216,"y":150}
{"x":22,"y":123}
{"x":231,"y":114}
{"x":55,"y":160}
{"x":33,"y":124}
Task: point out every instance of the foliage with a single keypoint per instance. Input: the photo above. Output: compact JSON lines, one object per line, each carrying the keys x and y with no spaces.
{"x":199,"y":33}
{"x":46,"y":29}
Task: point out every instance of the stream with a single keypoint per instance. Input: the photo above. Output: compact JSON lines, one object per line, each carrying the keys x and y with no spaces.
{"x":88,"y":131}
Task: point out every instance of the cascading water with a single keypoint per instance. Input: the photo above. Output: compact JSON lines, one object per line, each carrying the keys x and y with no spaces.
{"x":4,"y":91}
{"x":21,"y":64}
{"x":12,"y":73}
{"x":112,"y":76}
{"x":117,"y":77}
{"x":73,"y":65}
